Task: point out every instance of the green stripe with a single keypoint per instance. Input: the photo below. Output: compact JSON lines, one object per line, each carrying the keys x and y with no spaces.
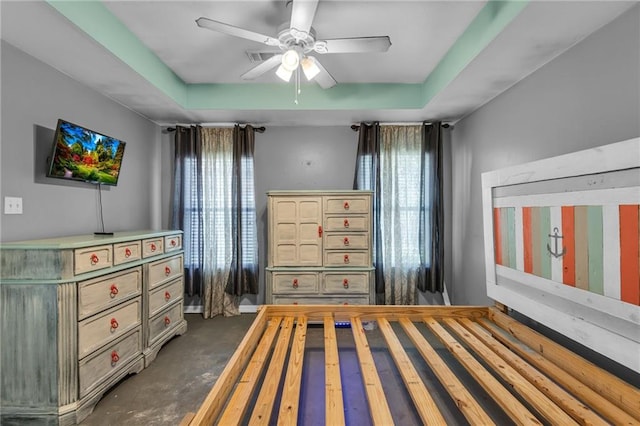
{"x":511,"y":218}
{"x":594,"y":225}
{"x":545,"y":230}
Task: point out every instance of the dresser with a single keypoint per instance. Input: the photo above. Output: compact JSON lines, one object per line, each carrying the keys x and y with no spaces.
{"x":319,"y":248}
{"x":80,"y":313}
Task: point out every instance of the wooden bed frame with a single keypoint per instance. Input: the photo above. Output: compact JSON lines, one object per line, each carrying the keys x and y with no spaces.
{"x":480,"y":360}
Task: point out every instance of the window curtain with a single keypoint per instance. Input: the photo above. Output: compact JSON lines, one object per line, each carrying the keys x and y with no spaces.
{"x":405,"y":174}
{"x":214,"y":204}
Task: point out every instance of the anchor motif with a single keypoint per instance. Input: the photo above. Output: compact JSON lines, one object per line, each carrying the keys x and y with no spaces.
{"x":555,"y":252}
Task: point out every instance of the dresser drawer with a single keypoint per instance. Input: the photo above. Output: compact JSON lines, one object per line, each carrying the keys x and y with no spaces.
{"x":347,"y":258}
{"x":152,"y":247}
{"x":92,"y":258}
{"x":295,"y":283}
{"x":101,"y":293}
{"x":346,"y":204}
{"x":165,"y":295}
{"x":98,"y":330}
{"x":346,"y":223}
{"x":104,"y":364}
{"x":127,"y":252}
{"x":346,"y":282}
{"x":346,"y":241}
{"x":164,"y":321}
{"x":337,"y":300}
{"x":164,"y":270}
{"x":172,"y":243}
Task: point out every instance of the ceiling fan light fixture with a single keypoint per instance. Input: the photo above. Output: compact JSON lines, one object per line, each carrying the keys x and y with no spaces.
{"x":309,"y":67}
{"x":284,"y":73}
{"x":290,"y":60}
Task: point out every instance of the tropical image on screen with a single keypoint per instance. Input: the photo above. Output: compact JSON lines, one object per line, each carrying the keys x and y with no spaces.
{"x":82,"y":154}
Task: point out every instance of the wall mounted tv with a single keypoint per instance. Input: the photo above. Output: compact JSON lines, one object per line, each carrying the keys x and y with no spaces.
{"x":84,"y":155}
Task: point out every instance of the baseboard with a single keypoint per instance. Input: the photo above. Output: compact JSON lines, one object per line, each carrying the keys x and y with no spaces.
{"x":244,"y":309}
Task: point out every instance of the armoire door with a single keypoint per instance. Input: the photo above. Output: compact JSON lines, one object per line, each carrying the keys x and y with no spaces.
{"x":296,"y":233}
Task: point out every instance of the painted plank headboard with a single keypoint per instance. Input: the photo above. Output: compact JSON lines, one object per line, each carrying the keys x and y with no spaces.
{"x":562,"y":245}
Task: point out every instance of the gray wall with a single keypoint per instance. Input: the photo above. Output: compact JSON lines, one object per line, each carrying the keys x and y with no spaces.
{"x":34,"y":96}
{"x":587,"y":97}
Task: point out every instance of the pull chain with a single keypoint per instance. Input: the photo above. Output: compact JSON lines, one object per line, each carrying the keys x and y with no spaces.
{"x":297,"y":85}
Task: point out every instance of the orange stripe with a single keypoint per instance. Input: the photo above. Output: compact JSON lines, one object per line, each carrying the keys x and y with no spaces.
{"x":568,"y":239}
{"x":497,"y":236}
{"x":629,"y":254}
{"x":526,"y":239}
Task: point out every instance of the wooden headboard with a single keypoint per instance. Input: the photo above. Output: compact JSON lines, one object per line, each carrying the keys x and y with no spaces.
{"x":562,"y":245}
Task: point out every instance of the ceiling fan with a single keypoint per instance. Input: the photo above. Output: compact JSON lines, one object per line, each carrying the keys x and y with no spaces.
{"x":295,"y":42}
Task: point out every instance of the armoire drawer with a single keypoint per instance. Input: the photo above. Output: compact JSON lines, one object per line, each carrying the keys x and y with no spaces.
{"x":127,"y":252}
{"x":152,"y":247}
{"x":172,"y":243}
{"x":346,"y":204}
{"x":345,"y":282}
{"x":346,"y":240}
{"x":164,"y":321}
{"x":92,"y":258}
{"x":346,"y":223}
{"x":337,"y":300}
{"x":295,"y":282}
{"x":102,"y":365}
{"x":165,"y":295}
{"x":164,"y":270}
{"x":101,"y":293}
{"x":98,"y":330}
{"x":347,"y":258}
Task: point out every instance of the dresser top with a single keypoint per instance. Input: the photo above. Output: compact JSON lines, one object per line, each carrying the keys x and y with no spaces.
{"x":318,"y":192}
{"x":78,"y":241}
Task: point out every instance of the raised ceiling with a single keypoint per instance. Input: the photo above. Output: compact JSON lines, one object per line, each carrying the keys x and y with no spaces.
{"x":447,"y":58}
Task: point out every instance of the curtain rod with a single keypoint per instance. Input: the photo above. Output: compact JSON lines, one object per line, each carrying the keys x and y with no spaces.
{"x":356,"y":127}
{"x":257,"y":129}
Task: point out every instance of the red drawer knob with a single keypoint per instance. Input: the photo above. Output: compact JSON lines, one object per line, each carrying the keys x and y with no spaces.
{"x":346,"y":241}
{"x":113,"y":290}
{"x":319,"y":231}
{"x":173,"y":243}
{"x":94,"y":259}
{"x":167,"y":271}
{"x":346,"y":303}
{"x":346,"y":258}
{"x":127,"y":252}
{"x":346,"y":223}
{"x":153,"y":247}
{"x":295,"y":303}
{"x":114,"y":357}
{"x":167,"y":321}
{"x":345,"y":283}
{"x":114,"y":324}
{"x":167,"y":295}
{"x":295,"y":283}
{"x":346,"y":205}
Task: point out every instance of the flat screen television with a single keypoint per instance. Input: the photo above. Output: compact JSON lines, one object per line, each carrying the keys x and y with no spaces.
{"x":84,"y":155}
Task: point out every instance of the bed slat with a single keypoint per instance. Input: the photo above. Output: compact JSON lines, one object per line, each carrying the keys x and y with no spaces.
{"x":606,"y":384}
{"x":334,"y":407}
{"x":463,"y":399}
{"x":509,"y":403}
{"x":378,"y":406}
{"x":424,"y":404}
{"x":235,"y":410}
{"x":269,"y":387}
{"x":291,"y":391}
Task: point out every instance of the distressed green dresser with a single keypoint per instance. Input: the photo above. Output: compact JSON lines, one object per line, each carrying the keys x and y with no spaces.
{"x":80,"y":313}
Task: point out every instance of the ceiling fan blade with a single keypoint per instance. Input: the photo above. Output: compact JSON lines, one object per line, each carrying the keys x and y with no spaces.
{"x":302,"y":14}
{"x":324,"y":79}
{"x":265,"y":66}
{"x":354,"y":45}
{"x":231,"y":30}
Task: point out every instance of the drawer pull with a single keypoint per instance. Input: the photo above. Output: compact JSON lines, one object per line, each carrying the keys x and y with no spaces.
{"x":114,"y":324}
{"x":167,"y":271}
{"x":127,"y":252}
{"x":153,"y":247}
{"x":346,"y":258}
{"x":114,"y":358}
{"x":346,"y":205}
{"x":320,"y":231}
{"x":173,"y":243}
{"x":295,"y":283}
{"x":113,"y":291}
{"x":346,"y":303}
{"x":167,"y":296}
{"x":94,"y":259}
{"x":346,"y":241}
{"x":345,"y":283}
{"x":346,"y":223}
{"x":295,"y":303}
{"x":167,"y":321}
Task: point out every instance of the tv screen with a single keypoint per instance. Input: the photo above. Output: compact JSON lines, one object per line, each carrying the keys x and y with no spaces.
{"x":84,"y":155}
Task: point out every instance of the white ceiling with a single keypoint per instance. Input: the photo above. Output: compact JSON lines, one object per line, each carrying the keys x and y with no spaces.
{"x":426,"y":37}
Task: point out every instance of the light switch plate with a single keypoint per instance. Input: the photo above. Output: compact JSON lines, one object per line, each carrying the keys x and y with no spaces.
{"x":12,"y":205}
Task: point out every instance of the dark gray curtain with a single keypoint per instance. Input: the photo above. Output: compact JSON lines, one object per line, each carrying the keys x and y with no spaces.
{"x":243,"y":277}
{"x":186,"y":212}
